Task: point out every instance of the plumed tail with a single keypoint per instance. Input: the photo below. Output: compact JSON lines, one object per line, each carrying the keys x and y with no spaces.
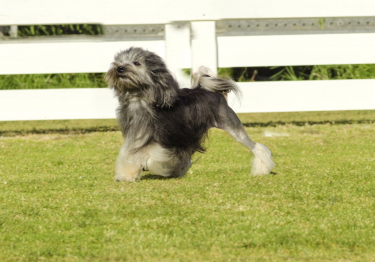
{"x":262,"y":163}
{"x":207,"y":80}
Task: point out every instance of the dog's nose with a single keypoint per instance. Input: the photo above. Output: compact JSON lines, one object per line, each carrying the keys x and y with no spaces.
{"x":120,"y":69}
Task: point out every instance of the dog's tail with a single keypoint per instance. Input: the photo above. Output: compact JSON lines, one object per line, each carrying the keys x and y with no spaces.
{"x":262,"y":163}
{"x":207,"y":80}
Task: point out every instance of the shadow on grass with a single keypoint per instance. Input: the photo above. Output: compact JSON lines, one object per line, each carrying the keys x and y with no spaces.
{"x":156,"y":177}
{"x":304,"y":123}
{"x":64,"y":131}
{"x":153,"y":177}
{"x":253,"y":245}
{"x":74,"y":131}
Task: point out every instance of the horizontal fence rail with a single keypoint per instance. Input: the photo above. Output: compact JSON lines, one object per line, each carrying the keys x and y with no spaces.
{"x":292,"y":96}
{"x":68,"y":57}
{"x":283,"y":50}
{"x":100,"y":103}
{"x":232,"y":51}
{"x":53,"y":104}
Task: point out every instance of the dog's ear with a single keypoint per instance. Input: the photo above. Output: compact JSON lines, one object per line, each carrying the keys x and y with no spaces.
{"x":163,"y":90}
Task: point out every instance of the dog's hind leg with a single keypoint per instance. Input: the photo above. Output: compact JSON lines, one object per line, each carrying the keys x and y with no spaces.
{"x":262,"y":163}
{"x":126,"y":168}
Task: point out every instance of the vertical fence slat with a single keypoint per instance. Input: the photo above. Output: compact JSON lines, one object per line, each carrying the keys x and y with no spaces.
{"x":177,"y":50}
{"x":203,"y":46}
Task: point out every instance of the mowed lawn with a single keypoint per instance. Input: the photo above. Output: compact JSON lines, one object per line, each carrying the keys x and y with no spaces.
{"x":59,"y":201}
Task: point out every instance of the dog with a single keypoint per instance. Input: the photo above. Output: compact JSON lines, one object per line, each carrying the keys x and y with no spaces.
{"x":163,"y":124}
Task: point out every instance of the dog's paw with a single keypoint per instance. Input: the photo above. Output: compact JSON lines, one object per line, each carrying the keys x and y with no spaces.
{"x":121,"y":178}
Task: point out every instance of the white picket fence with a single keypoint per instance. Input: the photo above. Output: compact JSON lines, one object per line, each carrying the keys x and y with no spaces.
{"x":189,"y":37}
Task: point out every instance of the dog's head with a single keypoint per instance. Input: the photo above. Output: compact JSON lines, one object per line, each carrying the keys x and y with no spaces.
{"x":142,"y":73}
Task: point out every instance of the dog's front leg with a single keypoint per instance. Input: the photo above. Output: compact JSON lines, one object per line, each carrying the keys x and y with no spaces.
{"x":126,"y":168}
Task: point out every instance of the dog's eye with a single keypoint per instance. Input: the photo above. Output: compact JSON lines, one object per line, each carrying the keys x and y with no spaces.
{"x":206,"y":75}
{"x":136,"y":63}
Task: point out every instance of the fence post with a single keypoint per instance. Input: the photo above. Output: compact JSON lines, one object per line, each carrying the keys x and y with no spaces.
{"x":13,"y":32}
{"x":177,"y":51}
{"x":204,"y":48}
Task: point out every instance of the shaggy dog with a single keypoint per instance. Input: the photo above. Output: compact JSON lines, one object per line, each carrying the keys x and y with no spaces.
{"x":164,"y":125}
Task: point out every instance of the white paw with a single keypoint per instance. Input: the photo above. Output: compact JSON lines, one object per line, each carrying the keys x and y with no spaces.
{"x":122,"y":177}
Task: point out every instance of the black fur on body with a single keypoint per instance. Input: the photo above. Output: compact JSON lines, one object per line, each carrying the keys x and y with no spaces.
{"x":180,"y":127}
{"x":183,"y":126}
{"x":154,"y":111}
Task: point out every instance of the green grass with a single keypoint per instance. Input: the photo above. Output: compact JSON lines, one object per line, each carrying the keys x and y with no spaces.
{"x":326,"y":72}
{"x":49,"y":81}
{"x":296,"y":73}
{"x":59,"y":201}
{"x":289,"y":73}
